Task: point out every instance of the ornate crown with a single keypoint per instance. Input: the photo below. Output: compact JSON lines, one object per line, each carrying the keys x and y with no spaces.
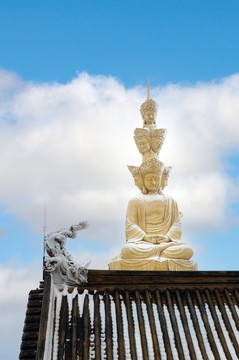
{"x":159,"y":136}
{"x":138,"y":132}
{"x":149,"y":105}
{"x":158,"y":133}
{"x":152,"y":166}
{"x":134,"y":170}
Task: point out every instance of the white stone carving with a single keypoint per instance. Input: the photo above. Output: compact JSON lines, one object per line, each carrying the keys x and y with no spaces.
{"x":59,"y":262}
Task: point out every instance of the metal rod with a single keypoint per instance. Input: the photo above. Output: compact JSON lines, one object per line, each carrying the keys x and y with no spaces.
{"x":196,"y":325}
{"x":207,"y":326}
{"x":163,"y":326}
{"x":74,"y":320}
{"x":152,"y":326}
{"x":86,"y":320}
{"x":130,"y":319}
{"x":120,"y":330}
{"x":141,"y":326}
{"x":44,"y":239}
{"x":108,"y":327}
{"x":177,"y":338}
{"x":62,"y":328}
{"x":97,"y":326}
{"x":185,"y":326}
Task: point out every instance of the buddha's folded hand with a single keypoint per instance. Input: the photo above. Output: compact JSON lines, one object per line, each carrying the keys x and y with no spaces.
{"x":151,"y":238}
{"x":164,"y":238}
{"x":156,"y":239}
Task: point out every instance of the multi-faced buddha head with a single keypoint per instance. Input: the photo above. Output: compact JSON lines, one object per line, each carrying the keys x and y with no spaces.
{"x":149,"y":112}
{"x":147,"y":140}
{"x":151,"y":171}
{"x":142,"y":140}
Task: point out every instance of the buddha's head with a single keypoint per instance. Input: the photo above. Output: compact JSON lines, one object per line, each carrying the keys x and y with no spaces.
{"x":156,"y":144}
{"x":152,"y":174}
{"x":143,"y":145}
{"x":157,"y":139}
{"x":142,"y":140}
{"x":148,"y":118}
{"x":149,"y":112}
{"x":165,"y":176}
{"x":152,"y":183}
{"x":138,"y":178}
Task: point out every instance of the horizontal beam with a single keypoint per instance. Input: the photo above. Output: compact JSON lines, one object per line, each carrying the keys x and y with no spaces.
{"x":106,"y":279}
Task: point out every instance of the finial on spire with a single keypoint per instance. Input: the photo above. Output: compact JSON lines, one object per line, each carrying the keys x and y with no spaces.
{"x":149,"y":106}
{"x":148,"y":90}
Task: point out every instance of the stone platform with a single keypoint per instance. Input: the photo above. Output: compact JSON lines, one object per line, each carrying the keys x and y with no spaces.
{"x":153,"y":264}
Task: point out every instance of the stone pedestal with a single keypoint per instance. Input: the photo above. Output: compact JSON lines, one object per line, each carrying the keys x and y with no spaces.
{"x":153,"y":264}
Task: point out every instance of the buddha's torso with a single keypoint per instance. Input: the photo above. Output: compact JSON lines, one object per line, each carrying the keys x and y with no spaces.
{"x":151,"y":213}
{"x":155,"y":207}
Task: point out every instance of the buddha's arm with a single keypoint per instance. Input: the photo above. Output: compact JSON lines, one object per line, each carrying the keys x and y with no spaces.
{"x":175,"y":231}
{"x":134,"y":232}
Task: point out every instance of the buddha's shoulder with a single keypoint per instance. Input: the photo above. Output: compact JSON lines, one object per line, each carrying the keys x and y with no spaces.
{"x":141,"y":198}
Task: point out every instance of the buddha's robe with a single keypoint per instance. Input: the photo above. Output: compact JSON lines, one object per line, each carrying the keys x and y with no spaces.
{"x":154,"y":215}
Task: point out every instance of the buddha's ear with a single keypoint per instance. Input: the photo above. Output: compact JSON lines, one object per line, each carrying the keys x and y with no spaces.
{"x":144,"y":190}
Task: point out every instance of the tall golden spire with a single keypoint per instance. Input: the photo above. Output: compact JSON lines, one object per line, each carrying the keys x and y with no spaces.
{"x":148,"y":90}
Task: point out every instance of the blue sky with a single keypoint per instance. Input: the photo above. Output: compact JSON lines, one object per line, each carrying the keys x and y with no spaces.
{"x":171,"y":41}
{"x":72,"y":78}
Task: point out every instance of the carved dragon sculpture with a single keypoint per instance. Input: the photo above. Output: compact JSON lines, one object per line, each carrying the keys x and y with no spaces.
{"x":59,"y":262}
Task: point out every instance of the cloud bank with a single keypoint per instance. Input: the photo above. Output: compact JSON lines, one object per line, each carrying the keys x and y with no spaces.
{"x":67,"y":146}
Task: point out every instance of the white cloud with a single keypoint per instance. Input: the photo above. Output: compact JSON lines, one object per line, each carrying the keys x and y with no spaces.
{"x":15,"y":284}
{"x":68,"y":146}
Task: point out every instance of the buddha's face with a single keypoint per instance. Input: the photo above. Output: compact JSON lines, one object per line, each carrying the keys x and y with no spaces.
{"x":156,"y":145}
{"x":152,"y":183}
{"x":148,"y":117}
{"x":138,"y":180}
{"x":143,"y":145}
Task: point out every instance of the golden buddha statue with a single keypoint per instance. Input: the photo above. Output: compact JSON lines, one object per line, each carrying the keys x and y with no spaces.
{"x":153,"y":226}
